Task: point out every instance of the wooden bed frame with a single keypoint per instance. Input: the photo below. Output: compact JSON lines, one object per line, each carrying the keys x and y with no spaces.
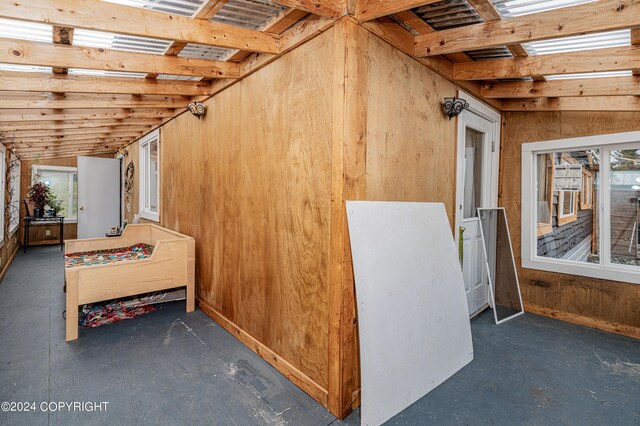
{"x":171,"y":265}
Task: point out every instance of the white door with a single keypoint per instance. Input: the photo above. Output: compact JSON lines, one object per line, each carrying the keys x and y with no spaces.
{"x":98,"y":196}
{"x":477,"y":167}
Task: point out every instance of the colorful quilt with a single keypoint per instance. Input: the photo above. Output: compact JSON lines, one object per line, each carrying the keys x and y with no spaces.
{"x":110,"y":312}
{"x":101,"y":257}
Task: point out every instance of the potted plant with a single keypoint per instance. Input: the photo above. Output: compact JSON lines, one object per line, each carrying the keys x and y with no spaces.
{"x":55,"y":205}
{"x":39,"y":194}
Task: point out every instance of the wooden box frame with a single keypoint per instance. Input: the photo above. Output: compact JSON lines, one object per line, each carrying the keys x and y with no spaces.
{"x":171,"y":265}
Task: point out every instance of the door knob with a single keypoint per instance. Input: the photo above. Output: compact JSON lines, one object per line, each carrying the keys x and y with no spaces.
{"x":81,"y":208}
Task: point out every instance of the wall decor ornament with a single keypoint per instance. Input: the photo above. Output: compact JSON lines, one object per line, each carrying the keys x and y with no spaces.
{"x":454,"y":106}
{"x":197,"y":108}
{"x":128,"y":183}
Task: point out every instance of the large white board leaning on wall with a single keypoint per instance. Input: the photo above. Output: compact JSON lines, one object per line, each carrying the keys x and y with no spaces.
{"x":412,"y":310}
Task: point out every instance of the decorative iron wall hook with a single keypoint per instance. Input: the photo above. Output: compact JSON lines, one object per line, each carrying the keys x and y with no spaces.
{"x":454,"y":106}
{"x":197,"y":108}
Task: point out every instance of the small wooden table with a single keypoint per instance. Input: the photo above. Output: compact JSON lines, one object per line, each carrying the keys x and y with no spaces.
{"x":28,"y":220}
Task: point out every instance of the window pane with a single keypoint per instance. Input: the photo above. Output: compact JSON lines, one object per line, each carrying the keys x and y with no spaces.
{"x":58,"y":181}
{"x":153,"y":176}
{"x":543,"y":189}
{"x":473,"y":172}
{"x":624,"y":184}
{"x":565,"y":231}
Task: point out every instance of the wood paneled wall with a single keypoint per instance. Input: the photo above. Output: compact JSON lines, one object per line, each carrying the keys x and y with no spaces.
{"x":251,"y":181}
{"x":608,"y":305}
{"x":261,"y":183}
{"x":397,"y":146}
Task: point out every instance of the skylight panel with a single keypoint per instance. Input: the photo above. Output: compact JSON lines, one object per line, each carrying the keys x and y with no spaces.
{"x":590,"y":75}
{"x":578,"y":43}
{"x":128,"y":43}
{"x":177,"y":77}
{"x":24,"y":68}
{"x":513,"y":8}
{"x":251,"y":14}
{"x":175,"y":7}
{"x":101,"y":73}
{"x":202,"y":51}
{"x":10,"y":28}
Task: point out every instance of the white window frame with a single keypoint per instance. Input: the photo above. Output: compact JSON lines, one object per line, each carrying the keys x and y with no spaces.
{"x":14,"y":183}
{"x":605,"y":269}
{"x":142,"y":175}
{"x":35,"y":169}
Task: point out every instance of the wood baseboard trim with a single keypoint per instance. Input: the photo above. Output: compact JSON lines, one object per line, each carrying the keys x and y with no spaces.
{"x":300,"y":379}
{"x":43,"y":243}
{"x":611,"y":327}
{"x":6,"y":267}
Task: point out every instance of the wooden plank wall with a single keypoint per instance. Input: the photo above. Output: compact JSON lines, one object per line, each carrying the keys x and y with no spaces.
{"x":261,"y":182}
{"x":608,"y":305}
{"x":399,"y":146}
{"x":251,"y":182}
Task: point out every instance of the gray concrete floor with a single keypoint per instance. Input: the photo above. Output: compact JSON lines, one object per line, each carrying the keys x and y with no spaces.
{"x":171,"y":368}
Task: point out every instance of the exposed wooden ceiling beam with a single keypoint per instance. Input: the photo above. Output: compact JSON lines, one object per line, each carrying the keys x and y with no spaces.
{"x":26,"y":100}
{"x":32,"y":156}
{"x":43,"y":54}
{"x":40,"y":82}
{"x":421,"y":27}
{"x":489,"y":13}
{"x":207,"y":10}
{"x":635,"y":41}
{"x":114,"y":18}
{"x":277,"y":26}
{"x":130,"y":130}
{"x":611,"y":59}
{"x":75,"y":124}
{"x":603,"y":15}
{"x":64,"y":137}
{"x":597,"y":103}
{"x":618,"y":86}
{"x":326,"y":8}
{"x":367,"y":10}
{"x":58,"y":115}
{"x":62,"y":35}
{"x":25,"y":144}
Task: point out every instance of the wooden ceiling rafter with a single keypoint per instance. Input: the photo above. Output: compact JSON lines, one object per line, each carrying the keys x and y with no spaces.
{"x":39,"y":115}
{"x":635,"y":41}
{"x":22,"y":52}
{"x":114,"y":18}
{"x":41,"y":82}
{"x":413,"y":21}
{"x":489,"y":13}
{"x":584,"y":103}
{"x":586,"y":61}
{"x":131,"y":129}
{"x":587,"y":87}
{"x":599,"y":16}
{"x":62,"y":35}
{"x":207,"y":10}
{"x":46,"y":125}
{"x":367,"y":10}
{"x":324,"y":8}
{"x":38,"y":100}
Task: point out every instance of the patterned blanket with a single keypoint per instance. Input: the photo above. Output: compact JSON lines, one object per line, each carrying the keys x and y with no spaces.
{"x":100,"y":257}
